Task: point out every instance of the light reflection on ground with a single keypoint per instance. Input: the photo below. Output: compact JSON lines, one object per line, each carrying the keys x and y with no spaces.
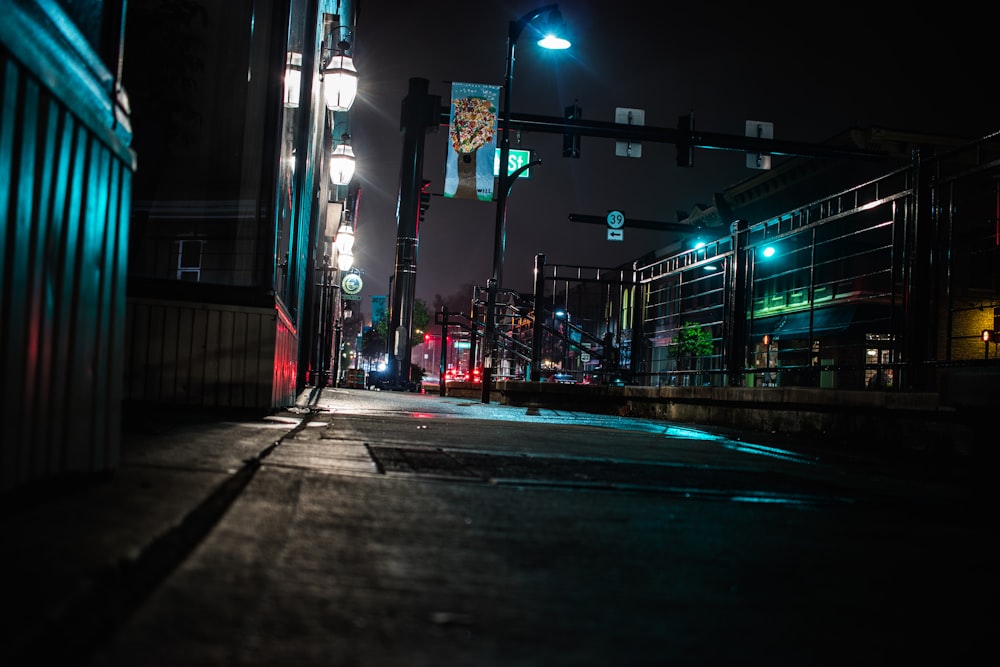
{"x":430,"y":406}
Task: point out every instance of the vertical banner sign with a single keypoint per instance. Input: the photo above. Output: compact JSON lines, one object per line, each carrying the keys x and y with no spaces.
{"x":472,"y":141}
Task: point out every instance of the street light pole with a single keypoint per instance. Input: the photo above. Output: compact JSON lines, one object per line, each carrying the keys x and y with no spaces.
{"x":494,"y":284}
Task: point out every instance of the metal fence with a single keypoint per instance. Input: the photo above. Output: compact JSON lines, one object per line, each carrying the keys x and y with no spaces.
{"x":887,"y":285}
{"x":892,"y":284}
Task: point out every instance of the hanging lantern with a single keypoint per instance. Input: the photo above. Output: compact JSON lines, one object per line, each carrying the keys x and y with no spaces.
{"x":342,"y":162}
{"x":345,"y":260}
{"x":340,"y":82}
{"x":345,"y":238}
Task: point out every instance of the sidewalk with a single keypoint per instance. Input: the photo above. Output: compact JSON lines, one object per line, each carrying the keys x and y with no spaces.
{"x":78,"y":554}
{"x":79,"y":557}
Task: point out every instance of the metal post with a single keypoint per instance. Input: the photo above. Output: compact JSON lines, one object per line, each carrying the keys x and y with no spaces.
{"x":919,"y":302}
{"x":488,"y":343}
{"x":514,"y":30}
{"x":338,"y":330}
{"x":735,"y":338}
{"x":473,"y":332}
{"x":420,"y":111}
{"x":538,"y":323}
{"x":499,"y":230}
{"x":637,"y":351}
{"x":442,"y":361}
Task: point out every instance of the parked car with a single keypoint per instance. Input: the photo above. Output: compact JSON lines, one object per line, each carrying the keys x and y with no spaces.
{"x":382,"y":381}
{"x":562,"y":378}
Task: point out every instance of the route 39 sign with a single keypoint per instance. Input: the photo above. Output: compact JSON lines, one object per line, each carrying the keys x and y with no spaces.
{"x":616,"y":220}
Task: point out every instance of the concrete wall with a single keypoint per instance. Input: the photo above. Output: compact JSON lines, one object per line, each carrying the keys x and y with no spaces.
{"x":924,"y":422}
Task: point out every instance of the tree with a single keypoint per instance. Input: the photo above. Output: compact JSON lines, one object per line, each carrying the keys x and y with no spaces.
{"x":458,"y":302}
{"x":421,"y":318}
{"x":374,"y":340}
{"x":692,"y":343}
{"x":372,"y":345}
{"x":421,"y":315}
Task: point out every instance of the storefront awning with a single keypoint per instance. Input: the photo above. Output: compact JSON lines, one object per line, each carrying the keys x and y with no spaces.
{"x":824,"y":320}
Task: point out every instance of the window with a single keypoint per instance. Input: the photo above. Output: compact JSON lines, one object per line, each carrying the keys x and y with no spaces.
{"x":189,"y":254}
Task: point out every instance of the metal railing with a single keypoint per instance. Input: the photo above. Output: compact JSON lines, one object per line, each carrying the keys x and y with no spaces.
{"x":885,"y":285}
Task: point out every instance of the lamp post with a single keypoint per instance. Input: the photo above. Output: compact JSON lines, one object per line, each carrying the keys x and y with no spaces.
{"x":549,"y":41}
{"x":343,"y":244}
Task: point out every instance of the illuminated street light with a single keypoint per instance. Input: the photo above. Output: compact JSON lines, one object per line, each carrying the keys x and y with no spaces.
{"x":548,"y":40}
{"x":345,"y":260}
{"x":342,"y":162}
{"x":340,"y":80}
{"x":345,"y":237}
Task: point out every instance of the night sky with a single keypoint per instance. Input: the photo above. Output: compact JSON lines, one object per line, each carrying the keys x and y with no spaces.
{"x":812,"y":74}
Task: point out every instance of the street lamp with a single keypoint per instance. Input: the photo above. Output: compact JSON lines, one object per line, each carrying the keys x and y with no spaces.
{"x":342,"y":162}
{"x":549,"y":40}
{"x":340,"y":80}
{"x":344,"y":242}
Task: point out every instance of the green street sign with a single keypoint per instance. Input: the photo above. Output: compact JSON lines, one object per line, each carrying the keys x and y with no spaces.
{"x":516,"y":158}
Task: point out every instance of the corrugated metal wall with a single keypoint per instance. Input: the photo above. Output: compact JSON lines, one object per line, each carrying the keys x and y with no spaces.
{"x":64,"y":200}
{"x":187,"y":353}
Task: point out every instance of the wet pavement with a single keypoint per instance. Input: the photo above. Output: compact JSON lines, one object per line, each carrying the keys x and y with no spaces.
{"x":385,"y":528}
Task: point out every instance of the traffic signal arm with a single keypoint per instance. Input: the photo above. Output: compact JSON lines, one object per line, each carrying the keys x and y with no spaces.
{"x":671,"y":135}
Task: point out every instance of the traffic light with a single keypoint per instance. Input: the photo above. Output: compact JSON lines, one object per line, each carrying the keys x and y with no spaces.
{"x":571,"y":140}
{"x":425,"y":198}
{"x":685,"y":143}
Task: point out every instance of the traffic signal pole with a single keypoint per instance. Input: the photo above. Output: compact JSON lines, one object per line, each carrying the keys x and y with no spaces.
{"x":422,"y":112}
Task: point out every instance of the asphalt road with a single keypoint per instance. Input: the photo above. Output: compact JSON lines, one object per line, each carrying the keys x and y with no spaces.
{"x":387,"y":528}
